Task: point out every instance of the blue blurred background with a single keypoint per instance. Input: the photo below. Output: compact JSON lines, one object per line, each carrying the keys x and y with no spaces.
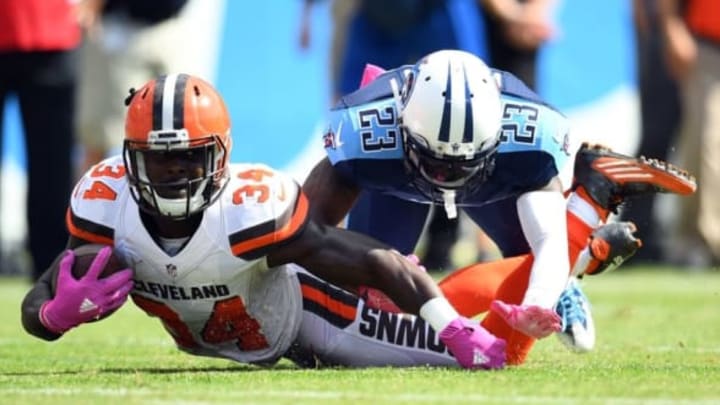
{"x":277,"y":93}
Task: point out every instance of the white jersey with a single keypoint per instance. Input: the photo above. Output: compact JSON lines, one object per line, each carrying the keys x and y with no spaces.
{"x":216,"y":296}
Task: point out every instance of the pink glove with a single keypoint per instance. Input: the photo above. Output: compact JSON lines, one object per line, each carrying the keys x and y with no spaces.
{"x":531,"y":320}
{"x":416,"y":261}
{"x":87,"y":299}
{"x":472,"y":345}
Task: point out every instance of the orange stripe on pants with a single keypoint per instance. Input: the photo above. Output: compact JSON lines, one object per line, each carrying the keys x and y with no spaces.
{"x":336,"y":307}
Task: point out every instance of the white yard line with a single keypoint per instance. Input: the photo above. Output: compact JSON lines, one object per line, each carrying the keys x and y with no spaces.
{"x":264,"y":396}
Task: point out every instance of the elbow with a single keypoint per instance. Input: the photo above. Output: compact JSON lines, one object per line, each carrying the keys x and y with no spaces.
{"x":31,"y":324}
{"x":30,"y":319}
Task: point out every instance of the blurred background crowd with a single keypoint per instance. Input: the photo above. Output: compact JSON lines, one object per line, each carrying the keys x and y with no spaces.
{"x":641,"y":76}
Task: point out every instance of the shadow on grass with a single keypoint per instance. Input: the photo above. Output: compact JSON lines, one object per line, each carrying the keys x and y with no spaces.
{"x":240,"y":368}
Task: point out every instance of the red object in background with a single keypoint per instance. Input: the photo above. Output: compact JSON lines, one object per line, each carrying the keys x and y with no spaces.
{"x":38,"y":25}
{"x":703,"y":18}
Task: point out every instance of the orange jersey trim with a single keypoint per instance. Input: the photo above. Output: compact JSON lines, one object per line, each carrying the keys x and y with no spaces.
{"x":295,"y":223}
{"x":83,"y":234}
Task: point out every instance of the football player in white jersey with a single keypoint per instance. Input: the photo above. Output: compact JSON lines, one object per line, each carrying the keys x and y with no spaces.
{"x":225,"y":255}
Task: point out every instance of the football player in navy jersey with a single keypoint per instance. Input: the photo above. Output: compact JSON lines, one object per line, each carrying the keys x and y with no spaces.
{"x":228,"y":259}
{"x":451,"y":132}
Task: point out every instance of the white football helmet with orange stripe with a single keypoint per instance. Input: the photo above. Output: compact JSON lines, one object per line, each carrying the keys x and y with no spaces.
{"x":177,"y":144}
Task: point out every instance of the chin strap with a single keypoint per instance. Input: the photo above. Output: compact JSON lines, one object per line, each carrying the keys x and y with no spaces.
{"x":449,"y":203}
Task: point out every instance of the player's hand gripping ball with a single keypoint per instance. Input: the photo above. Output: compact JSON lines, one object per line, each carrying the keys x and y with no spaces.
{"x":84,"y":256}
{"x":88,"y":284}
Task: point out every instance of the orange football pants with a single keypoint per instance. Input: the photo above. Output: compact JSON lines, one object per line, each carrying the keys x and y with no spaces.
{"x":471,"y":289}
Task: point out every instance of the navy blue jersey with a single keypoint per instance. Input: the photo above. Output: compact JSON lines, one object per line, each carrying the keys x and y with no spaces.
{"x":364,"y":144}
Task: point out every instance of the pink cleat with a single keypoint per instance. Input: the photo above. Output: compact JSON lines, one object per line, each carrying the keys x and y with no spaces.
{"x":473,"y":346}
{"x":531,"y":320}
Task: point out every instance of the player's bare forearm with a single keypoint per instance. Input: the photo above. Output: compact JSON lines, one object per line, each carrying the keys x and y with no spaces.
{"x":350,"y":259}
{"x":330,"y":196}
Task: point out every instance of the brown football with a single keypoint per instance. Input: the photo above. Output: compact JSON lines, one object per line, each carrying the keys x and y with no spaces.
{"x":84,"y":256}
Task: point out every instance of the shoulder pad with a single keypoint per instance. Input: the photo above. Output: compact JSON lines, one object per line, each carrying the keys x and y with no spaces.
{"x":511,"y":86}
{"x":96,"y":201}
{"x":533,"y":127}
{"x":263,"y":207}
{"x":367,"y":131}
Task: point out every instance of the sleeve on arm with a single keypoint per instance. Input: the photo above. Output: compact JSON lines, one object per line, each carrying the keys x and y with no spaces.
{"x":35,"y":298}
{"x":543,"y":219}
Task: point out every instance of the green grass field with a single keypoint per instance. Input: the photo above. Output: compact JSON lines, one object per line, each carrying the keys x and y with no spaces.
{"x":658,"y":343}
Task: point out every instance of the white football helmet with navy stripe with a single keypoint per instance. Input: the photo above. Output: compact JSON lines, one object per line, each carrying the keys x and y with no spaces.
{"x":450,"y":112}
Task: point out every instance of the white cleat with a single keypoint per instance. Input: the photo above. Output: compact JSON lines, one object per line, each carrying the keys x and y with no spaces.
{"x":578,"y":329}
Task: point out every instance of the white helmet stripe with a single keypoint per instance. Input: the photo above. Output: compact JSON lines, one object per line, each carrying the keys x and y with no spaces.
{"x":168,"y":101}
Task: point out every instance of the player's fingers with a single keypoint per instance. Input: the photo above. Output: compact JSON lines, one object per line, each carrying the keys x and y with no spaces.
{"x":416,"y":261}
{"x":549,"y":331}
{"x":504,"y":310}
{"x":546,"y":322}
{"x":549,"y":326}
{"x":540,"y":333}
{"x":544,"y":317}
{"x":98,"y":263}
{"x":545,"y":314}
{"x":66,"y":264}
{"x":413,"y":259}
{"x":119,"y":297}
{"x":117,"y":280}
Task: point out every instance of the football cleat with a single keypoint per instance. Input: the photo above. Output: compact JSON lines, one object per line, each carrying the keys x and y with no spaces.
{"x":577,"y":327}
{"x":609,"y":177}
{"x":610,"y":245}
